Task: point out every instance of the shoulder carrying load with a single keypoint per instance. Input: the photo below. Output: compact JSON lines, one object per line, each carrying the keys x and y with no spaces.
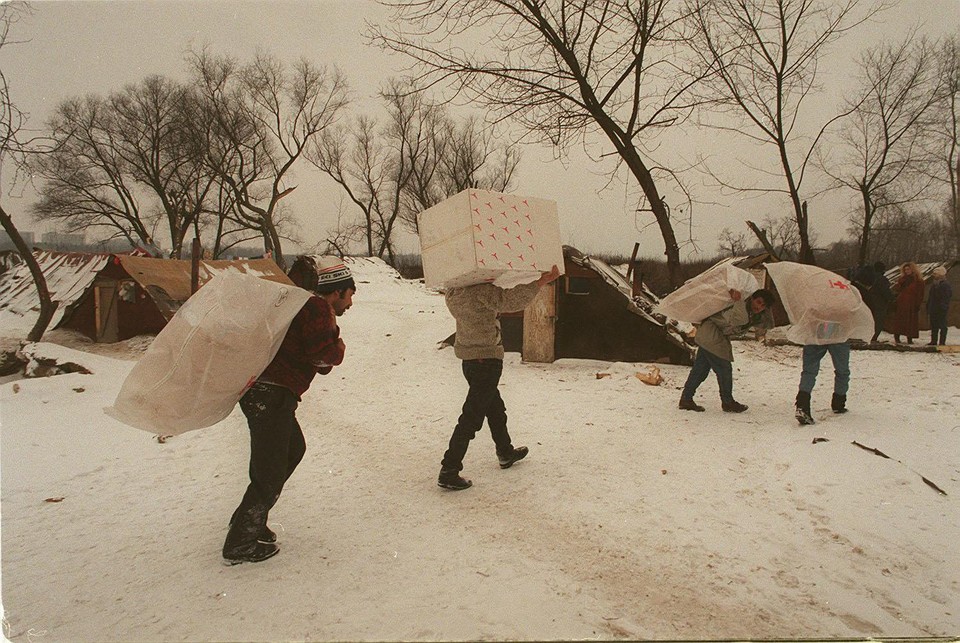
{"x":209,"y":353}
{"x":823,"y":307}
{"x":707,"y":293}
{"x":478,"y":236}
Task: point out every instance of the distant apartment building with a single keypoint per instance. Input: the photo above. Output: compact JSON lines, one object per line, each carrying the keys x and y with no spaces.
{"x":62,"y":241}
{"x":6,"y":243}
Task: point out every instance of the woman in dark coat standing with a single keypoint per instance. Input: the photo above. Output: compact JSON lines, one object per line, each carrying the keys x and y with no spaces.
{"x":909,"y":289}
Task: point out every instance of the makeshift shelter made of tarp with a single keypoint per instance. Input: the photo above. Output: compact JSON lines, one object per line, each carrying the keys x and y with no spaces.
{"x":114,"y":297}
{"x":167,"y":281}
{"x":602,"y":315}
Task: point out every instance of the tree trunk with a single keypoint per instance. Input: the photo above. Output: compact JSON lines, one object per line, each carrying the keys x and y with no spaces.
{"x":657,"y":206}
{"x":865,"y":233}
{"x":195,"y":251}
{"x":806,"y":252}
{"x":955,"y":206}
{"x":47,"y":306}
{"x":764,"y":241}
{"x":277,"y":251}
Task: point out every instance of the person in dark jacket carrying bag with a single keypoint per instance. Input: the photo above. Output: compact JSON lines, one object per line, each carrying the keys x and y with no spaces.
{"x":311,"y":345}
{"x":476,"y":309}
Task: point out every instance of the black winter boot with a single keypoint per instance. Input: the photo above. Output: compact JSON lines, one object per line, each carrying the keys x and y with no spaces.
{"x":733,"y":407}
{"x":839,"y":403}
{"x":943,"y":337}
{"x":515,"y":455}
{"x":266,"y":535}
{"x":802,"y":409}
{"x":242,"y":544}
{"x":451,"y":479}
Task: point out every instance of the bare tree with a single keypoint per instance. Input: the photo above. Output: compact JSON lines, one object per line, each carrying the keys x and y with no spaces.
{"x":151,"y":136}
{"x":732,"y":244}
{"x":258,"y":120}
{"x":417,"y":158}
{"x":356,"y":158}
{"x":766,"y":54}
{"x":563,"y":70}
{"x":880,"y":152}
{"x":446,"y":155}
{"x":14,"y":151}
{"x":944,"y":140}
{"x":125,"y":163}
{"x":87,"y":184}
{"x":902,"y":234}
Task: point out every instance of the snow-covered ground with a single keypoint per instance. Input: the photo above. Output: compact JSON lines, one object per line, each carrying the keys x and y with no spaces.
{"x":629,"y":519}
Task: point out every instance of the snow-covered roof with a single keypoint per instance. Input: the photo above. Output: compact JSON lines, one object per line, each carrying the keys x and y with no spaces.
{"x":68,"y":275}
{"x":747,"y":262}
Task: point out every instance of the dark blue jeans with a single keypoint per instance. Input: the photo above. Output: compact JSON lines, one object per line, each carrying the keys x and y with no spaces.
{"x":839,"y":354}
{"x":703,"y":363}
{"x":483,"y":401}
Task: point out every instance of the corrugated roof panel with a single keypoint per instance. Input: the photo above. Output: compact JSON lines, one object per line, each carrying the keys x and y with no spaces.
{"x":68,"y":275}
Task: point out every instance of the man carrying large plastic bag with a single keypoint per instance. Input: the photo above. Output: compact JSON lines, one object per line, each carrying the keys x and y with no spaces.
{"x":312,"y":345}
{"x":706,"y":293}
{"x":715,"y":352}
{"x":825,"y":312}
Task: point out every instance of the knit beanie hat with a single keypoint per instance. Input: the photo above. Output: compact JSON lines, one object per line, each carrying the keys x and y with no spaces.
{"x":332,"y":275}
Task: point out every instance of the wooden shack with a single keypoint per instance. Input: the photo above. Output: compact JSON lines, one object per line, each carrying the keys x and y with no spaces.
{"x":593,"y":312}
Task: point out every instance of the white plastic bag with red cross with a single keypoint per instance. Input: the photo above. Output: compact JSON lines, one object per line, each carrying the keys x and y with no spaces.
{"x":823,"y":307}
{"x":208,"y":354}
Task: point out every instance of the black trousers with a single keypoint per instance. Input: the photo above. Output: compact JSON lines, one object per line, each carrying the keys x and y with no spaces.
{"x":483,"y":401}
{"x":938,"y":327}
{"x":276,"y":448}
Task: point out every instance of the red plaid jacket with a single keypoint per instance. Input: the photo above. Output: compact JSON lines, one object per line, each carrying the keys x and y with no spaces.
{"x":310,"y":346}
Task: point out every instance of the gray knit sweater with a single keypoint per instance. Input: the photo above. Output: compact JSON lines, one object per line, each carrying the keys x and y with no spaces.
{"x":476,"y":309}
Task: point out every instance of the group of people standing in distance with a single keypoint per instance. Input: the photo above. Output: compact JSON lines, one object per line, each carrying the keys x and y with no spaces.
{"x":906,"y":297}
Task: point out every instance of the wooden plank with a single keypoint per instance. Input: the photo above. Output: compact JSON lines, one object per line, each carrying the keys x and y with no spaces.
{"x":539,"y":326}
{"x":876,"y":346}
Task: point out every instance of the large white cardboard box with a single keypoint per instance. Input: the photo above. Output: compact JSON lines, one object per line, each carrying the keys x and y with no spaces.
{"x":480,"y":236}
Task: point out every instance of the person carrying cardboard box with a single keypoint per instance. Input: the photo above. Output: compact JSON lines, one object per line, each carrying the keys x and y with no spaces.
{"x":478,"y":343}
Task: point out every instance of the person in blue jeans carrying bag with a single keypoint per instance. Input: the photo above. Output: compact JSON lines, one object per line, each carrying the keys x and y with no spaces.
{"x":812,"y":356}
{"x":715,"y":351}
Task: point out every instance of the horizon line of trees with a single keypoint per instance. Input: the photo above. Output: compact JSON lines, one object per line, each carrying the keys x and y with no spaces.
{"x":212,"y":158}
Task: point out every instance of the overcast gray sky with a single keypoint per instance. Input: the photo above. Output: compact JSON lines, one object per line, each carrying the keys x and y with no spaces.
{"x":78,"y":47}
